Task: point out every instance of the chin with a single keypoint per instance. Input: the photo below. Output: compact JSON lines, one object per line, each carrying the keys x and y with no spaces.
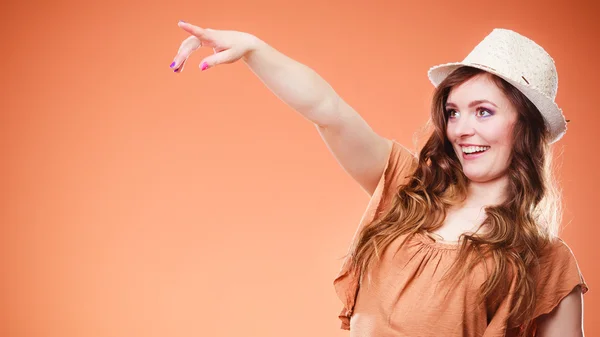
{"x":475,"y":178}
{"x":479,"y":177}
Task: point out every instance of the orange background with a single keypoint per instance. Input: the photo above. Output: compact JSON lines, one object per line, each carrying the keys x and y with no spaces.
{"x":139,"y":202}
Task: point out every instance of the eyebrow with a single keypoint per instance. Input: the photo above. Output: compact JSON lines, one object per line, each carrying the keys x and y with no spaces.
{"x":472,"y":104}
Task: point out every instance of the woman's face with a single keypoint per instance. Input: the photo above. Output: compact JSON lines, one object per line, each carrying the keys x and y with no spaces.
{"x":480,"y":125}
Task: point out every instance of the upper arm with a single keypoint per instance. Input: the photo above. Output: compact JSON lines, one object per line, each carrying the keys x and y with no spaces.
{"x":566,"y":319}
{"x":360,"y":151}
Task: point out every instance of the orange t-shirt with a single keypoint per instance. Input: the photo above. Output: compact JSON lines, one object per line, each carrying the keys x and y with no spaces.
{"x":405,"y":296}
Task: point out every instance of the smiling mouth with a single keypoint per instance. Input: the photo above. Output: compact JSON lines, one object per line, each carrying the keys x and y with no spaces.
{"x":470,"y":150}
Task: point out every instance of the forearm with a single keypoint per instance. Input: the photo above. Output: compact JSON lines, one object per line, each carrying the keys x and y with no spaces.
{"x":294,"y":83}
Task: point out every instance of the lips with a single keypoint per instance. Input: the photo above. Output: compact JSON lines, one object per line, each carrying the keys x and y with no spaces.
{"x":470,"y":153}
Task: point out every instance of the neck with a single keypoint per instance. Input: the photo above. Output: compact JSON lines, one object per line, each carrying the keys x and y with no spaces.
{"x":489,"y":193}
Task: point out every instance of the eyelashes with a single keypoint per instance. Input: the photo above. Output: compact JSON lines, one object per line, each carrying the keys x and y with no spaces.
{"x":489,"y":112}
{"x":450,"y":113}
{"x":480,"y":112}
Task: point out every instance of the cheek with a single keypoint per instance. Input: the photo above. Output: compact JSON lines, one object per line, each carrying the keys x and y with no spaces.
{"x":450,"y":134}
{"x":501,"y":139}
{"x":501,"y":135}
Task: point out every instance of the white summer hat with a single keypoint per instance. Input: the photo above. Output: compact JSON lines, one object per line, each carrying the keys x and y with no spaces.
{"x":522,"y":63}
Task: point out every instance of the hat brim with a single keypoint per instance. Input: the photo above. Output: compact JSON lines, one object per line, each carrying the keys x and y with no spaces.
{"x":550,"y":111}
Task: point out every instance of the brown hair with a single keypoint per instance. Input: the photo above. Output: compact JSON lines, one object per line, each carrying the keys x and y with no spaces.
{"x":519,"y":227}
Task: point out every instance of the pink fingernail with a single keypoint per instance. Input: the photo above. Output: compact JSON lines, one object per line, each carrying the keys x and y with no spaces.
{"x":204,"y":66}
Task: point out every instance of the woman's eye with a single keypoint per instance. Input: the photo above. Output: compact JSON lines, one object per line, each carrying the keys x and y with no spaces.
{"x":483,"y":112}
{"x":452,"y":113}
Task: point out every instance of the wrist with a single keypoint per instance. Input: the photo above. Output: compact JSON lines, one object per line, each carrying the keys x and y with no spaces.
{"x":254,"y":44}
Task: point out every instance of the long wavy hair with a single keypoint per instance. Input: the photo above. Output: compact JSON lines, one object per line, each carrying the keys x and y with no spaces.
{"x":517,"y":230}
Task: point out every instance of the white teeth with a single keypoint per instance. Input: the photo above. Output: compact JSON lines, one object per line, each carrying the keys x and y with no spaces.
{"x":473,"y":149}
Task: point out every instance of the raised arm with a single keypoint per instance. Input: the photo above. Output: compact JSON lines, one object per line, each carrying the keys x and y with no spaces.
{"x":360,"y":151}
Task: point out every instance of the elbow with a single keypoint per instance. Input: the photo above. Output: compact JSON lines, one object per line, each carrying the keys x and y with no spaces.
{"x":326,"y":114}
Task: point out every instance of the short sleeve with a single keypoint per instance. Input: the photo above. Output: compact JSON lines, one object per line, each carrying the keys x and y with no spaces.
{"x":399,"y":166}
{"x":558,"y":275}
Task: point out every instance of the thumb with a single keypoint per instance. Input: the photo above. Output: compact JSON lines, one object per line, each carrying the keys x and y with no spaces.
{"x":225,"y":56}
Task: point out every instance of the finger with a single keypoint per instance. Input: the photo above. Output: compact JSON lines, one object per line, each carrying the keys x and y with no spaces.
{"x":225,"y":56}
{"x":201,"y":33}
{"x":187,"y":47}
{"x":180,"y":67}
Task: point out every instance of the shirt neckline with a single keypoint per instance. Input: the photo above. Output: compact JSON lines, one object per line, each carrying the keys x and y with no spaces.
{"x":428,"y":239}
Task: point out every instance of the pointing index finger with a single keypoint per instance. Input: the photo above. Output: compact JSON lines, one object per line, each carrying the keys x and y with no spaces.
{"x":194,"y":30}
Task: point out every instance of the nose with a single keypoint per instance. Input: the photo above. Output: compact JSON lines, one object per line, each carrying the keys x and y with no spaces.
{"x":462,"y":127}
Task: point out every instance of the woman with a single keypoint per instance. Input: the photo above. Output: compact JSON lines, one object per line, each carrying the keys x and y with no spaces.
{"x":459,"y":240}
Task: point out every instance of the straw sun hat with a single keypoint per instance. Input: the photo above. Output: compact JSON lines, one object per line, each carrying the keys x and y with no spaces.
{"x":522,"y":63}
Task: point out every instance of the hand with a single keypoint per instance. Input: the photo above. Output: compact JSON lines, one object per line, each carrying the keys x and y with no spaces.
{"x":228,"y":46}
